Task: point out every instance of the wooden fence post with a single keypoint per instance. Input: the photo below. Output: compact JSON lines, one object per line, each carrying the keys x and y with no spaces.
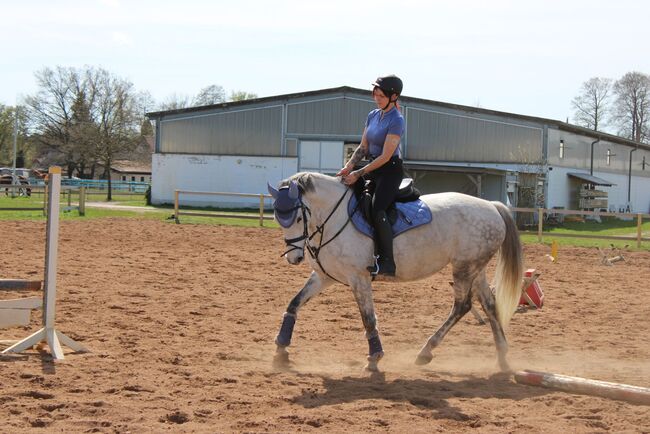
{"x":82,"y":200}
{"x":540,"y":218}
{"x":45,"y":200}
{"x":639,"y":222}
{"x":176,"y":206}
{"x":261,"y":210}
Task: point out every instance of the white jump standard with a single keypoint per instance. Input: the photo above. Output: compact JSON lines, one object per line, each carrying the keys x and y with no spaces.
{"x":48,"y":333}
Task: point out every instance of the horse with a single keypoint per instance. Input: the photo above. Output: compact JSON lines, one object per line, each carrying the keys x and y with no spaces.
{"x":465,"y":231}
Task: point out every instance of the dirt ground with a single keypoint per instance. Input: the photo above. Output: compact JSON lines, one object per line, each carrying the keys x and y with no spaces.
{"x":180,"y":321}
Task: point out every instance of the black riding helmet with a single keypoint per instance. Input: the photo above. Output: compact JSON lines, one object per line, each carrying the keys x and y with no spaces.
{"x":390,"y":85}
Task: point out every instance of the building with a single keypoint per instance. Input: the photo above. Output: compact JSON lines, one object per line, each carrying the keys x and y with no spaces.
{"x":519,"y":160}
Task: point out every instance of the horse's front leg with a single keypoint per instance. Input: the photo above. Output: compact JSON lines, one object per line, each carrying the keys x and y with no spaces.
{"x":362,"y":291}
{"x":314,"y":285}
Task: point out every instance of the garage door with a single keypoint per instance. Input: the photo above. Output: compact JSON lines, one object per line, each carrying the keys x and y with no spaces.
{"x":323,"y":157}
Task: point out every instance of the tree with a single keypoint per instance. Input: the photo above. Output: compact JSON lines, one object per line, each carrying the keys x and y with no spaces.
{"x":590,"y":104}
{"x":213,"y":94}
{"x":51,"y":112}
{"x":118,"y":120}
{"x":175,"y":101}
{"x":633,"y":105}
{"x":241,"y":95}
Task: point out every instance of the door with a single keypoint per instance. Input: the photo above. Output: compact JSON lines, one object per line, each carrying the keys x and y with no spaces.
{"x":323,"y":157}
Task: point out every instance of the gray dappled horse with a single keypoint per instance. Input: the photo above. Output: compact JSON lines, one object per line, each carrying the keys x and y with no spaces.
{"x":465,"y":231}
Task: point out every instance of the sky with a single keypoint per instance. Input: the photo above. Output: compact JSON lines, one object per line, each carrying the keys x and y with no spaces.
{"x":526,"y":57}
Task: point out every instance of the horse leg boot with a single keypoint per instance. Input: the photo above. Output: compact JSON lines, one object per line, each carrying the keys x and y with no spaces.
{"x":384,"y":239}
{"x":462,"y":305}
{"x":314,"y":285}
{"x":363,"y":295}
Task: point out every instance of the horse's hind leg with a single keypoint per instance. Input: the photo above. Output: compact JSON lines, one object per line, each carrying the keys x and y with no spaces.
{"x":462,"y":305}
{"x":314,"y":285}
{"x":362,"y":291}
{"x":486,"y":298}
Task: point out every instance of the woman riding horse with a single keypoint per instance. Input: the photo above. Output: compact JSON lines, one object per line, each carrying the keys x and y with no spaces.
{"x":380,"y":142}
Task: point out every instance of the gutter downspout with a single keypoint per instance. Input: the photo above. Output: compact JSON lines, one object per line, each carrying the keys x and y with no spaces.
{"x":629,"y":176}
{"x":591,"y":167}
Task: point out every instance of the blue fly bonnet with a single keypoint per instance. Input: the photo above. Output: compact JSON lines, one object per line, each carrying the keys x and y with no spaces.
{"x":286,"y":203}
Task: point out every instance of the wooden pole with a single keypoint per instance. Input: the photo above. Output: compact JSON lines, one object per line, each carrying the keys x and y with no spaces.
{"x":45,"y":201}
{"x":82,"y":200}
{"x":639,"y":222}
{"x":176,"y":192}
{"x":261,"y":210}
{"x":540,"y":218}
{"x":20,"y":284}
{"x":585,"y":386}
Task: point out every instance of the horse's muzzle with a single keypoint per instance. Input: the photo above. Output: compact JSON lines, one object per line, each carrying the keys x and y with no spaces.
{"x":295,"y":260}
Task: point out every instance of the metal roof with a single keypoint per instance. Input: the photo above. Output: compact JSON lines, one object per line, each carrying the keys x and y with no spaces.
{"x":365,"y":92}
{"x":590,"y":179}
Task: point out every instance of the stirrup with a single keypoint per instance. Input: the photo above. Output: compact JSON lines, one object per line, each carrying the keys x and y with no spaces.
{"x":374,"y":268}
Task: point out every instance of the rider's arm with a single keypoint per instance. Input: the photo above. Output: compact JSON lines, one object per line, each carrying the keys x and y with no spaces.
{"x":391,"y":143}
{"x":357,"y":155}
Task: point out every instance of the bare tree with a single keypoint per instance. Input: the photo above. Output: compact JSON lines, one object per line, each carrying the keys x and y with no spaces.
{"x":175,"y":101}
{"x":118,"y":120}
{"x":590,"y":104}
{"x":241,"y":95}
{"x":213,"y":94}
{"x":633,"y":105}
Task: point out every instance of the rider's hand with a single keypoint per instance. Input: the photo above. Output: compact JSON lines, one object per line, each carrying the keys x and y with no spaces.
{"x":351,"y":178}
{"x":344,"y":172}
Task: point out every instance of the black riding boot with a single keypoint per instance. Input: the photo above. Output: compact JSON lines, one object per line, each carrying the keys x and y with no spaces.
{"x":384,"y":240}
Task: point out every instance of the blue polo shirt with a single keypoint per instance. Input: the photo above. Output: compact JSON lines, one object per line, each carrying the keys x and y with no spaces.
{"x":378,"y":127}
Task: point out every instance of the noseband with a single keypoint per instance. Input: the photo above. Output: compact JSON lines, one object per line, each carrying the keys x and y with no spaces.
{"x":313,"y":250}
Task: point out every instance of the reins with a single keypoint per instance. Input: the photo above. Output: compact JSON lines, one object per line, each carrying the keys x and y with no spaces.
{"x":315,"y":251}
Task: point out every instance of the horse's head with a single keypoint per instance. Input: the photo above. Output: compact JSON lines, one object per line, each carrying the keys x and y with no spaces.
{"x":291,"y":213}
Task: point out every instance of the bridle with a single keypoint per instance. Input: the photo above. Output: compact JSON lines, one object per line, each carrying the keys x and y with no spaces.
{"x":313,"y":250}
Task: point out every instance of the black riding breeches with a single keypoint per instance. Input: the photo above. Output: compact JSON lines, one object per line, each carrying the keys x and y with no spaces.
{"x":387,"y":180}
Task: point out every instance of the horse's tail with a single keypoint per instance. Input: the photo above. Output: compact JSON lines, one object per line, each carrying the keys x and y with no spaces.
{"x":509,"y":269}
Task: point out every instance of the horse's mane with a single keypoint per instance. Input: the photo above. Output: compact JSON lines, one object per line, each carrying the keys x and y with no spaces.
{"x":306,"y":180}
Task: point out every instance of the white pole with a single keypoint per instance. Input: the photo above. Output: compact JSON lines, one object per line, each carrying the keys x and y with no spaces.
{"x":51,"y":247}
{"x":48,"y":333}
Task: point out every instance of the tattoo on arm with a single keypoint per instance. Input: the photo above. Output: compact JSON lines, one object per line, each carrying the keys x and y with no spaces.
{"x":357,"y":156}
{"x":360,"y":172}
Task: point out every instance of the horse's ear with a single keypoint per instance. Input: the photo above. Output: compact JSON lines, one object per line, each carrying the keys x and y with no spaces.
{"x":272,"y":191}
{"x":293,"y":190}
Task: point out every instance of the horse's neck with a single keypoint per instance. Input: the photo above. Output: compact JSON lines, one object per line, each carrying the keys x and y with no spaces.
{"x":323,"y":200}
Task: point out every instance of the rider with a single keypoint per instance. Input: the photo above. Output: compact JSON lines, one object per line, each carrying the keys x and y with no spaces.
{"x":380,"y":142}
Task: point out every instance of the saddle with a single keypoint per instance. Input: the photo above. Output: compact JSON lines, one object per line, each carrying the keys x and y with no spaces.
{"x":406,"y":193}
{"x":407,"y":212}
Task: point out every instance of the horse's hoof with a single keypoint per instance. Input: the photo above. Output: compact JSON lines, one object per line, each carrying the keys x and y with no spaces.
{"x":423,"y":359}
{"x":505,"y":367}
{"x":281,"y":360}
{"x":371,"y":367}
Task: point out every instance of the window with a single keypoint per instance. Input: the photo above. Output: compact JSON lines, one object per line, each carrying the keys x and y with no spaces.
{"x":609,"y":156}
{"x":133,"y":179}
{"x":123,"y":177}
{"x":561,"y":148}
{"x":142,"y":179}
{"x":643,"y":163}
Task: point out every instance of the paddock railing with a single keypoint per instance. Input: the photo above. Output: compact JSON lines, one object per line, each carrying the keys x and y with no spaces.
{"x":540,"y":212}
{"x":66,"y":193}
{"x":261,"y":217}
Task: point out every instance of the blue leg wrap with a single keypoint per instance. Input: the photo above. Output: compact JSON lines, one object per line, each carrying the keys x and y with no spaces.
{"x":374,"y":345}
{"x":286,"y":330}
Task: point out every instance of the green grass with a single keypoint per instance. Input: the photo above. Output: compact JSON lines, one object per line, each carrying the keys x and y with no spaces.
{"x":162,"y":213}
{"x":609,"y":226}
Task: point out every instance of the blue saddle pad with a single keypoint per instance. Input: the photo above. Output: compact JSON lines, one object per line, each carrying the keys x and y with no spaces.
{"x":410,"y":215}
